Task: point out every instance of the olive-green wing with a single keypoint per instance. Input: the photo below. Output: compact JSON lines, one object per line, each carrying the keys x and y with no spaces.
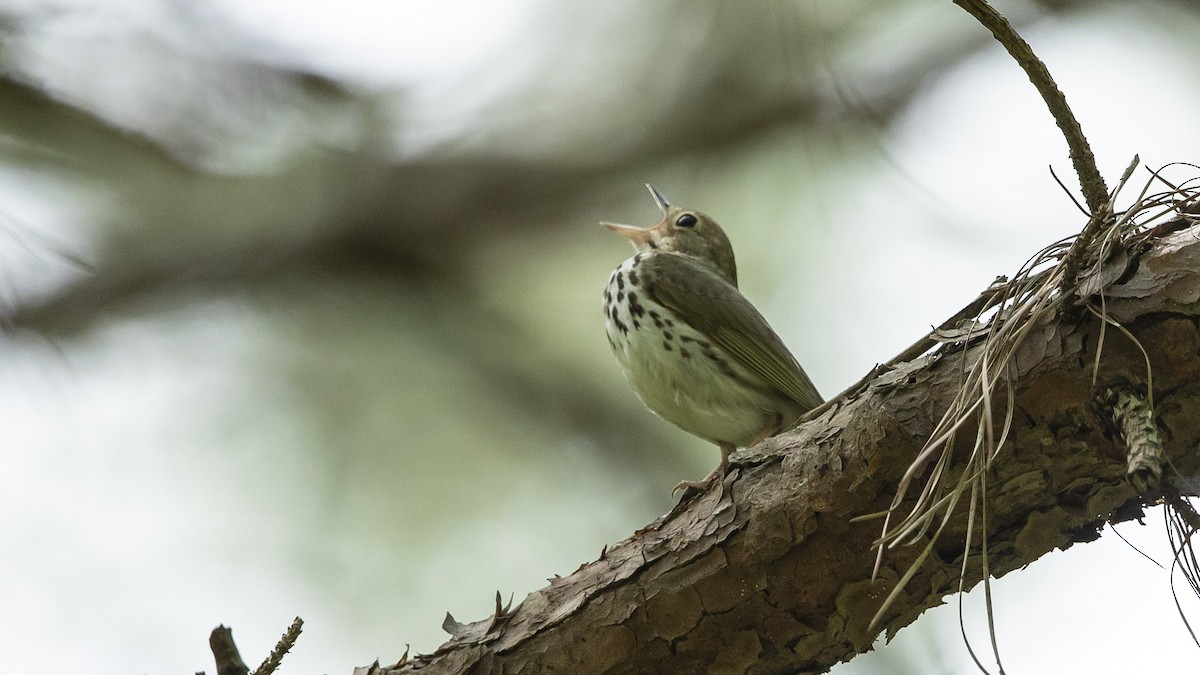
{"x":718,"y":309}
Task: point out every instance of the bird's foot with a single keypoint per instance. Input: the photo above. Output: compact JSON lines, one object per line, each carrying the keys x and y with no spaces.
{"x":690,"y":487}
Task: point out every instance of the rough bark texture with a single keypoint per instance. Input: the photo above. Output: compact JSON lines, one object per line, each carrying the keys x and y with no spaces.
{"x":772,"y":577}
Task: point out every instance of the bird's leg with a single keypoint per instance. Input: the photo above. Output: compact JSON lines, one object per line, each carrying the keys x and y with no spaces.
{"x":716,"y":475}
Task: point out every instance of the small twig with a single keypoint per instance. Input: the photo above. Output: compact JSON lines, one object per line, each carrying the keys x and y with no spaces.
{"x":1101,"y":217}
{"x":1095,"y":193}
{"x":225,"y":652}
{"x":1067,"y":191}
{"x":282,"y":647}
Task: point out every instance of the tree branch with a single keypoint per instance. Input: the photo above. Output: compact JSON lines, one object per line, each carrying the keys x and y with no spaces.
{"x":1094,"y":190}
{"x":771,"y":575}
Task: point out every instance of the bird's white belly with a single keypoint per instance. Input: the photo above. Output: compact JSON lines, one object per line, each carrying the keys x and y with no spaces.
{"x":677,"y":372}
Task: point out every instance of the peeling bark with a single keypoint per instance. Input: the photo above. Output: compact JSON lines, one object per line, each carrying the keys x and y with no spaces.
{"x":772,"y":577}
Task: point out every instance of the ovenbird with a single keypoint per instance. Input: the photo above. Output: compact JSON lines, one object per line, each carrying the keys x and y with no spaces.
{"x":695,"y":350}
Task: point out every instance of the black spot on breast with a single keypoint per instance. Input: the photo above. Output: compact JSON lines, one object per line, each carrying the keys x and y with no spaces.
{"x":652,"y":244}
{"x":682,"y":352}
{"x":637,"y":258}
{"x":633,"y":278}
{"x":666,"y":345}
{"x":607,"y":296}
{"x":636,"y":325}
{"x":635,"y":308}
{"x":657,"y":322}
{"x":617,"y":321}
{"x":620,"y":296}
{"x":685,"y":338}
{"x":612,"y":345}
{"x":703,"y":344}
{"x":620,"y":282}
{"x":670,"y":323}
{"x":668,"y":336}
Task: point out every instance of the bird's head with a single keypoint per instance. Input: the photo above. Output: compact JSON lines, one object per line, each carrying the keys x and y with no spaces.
{"x":683,"y":231}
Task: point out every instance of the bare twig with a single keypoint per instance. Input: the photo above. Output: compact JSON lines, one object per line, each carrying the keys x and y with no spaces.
{"x":281,"y":648}
{"x":1095,"y":193}
{"x":225,"y":652}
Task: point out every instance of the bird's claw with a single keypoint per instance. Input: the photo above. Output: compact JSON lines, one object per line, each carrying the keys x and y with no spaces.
{"x":717,"y":476}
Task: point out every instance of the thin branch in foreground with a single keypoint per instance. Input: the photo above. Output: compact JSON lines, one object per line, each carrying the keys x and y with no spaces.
{"x":1094,"y":190}
{"x":229,"y":660}
{"x":225,"y":652}
{"x":282,"y":647}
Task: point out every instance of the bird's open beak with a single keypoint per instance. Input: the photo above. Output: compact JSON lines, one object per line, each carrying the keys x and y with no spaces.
{"x":647,"y":238}
{"x":640,"y":238}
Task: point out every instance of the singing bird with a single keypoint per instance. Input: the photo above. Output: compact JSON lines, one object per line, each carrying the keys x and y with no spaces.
{"x":694,"y":349}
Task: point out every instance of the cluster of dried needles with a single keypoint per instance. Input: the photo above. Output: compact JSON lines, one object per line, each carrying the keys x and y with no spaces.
{"x":986,"y":345}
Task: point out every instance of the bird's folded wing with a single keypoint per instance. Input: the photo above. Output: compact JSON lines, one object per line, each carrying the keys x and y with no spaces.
{"x":716,"y":308}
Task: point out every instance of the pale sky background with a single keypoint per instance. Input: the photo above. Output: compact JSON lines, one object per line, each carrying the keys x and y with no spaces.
{"x":152,"y":483}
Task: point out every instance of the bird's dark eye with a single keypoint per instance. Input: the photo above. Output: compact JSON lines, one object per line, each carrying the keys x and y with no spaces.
{"x":686,"y":220}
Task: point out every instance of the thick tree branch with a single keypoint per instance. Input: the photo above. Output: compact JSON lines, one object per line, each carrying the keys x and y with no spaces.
{"x":772,"y":575}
